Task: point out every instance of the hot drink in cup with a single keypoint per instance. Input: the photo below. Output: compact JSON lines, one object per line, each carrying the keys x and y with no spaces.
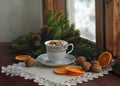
{"x":56,"y":50}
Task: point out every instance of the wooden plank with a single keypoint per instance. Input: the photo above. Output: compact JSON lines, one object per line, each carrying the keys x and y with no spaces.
{"x":99,"y":24}
{"x":113,"y":26}
{"x":56,"y":5}
{"x":119,"y":44}
{"x":116,"y":25}
{"x":60,"y":6}
{"x":50,"y":5}
{"x":109,"y":25}
{"x":47,"y":5}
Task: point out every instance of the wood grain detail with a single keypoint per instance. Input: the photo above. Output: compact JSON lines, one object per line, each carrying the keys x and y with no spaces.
{"x":55,"y":5}
{"x":99,"y":24}
{"x":60,"y":6}
{"x":113,"y":26}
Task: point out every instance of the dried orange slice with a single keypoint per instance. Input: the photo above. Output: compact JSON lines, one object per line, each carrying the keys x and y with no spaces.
{"x":22,"y":57}
{"x":105,"y":59}
{"x":74,"y":70}
{"x":69,"y":70}
{"x":61,"y":70}
{"x":75,"y":74}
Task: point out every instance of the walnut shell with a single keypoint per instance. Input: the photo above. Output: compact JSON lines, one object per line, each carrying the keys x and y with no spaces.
{"x":94,"y":62}
{"x":86,"y":66}
{"x":80,"y":60}
{"x":96,"y":68}
{"x":30,"y":62}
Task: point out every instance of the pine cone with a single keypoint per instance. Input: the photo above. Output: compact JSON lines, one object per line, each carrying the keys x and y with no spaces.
{"x":75,"y":40}
{"x":36,"y":37}
{"x":44,"y":32}
{"x":45,"y":29}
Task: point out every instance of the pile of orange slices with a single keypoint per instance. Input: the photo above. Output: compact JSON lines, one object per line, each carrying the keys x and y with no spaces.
{"x":69,"y":70}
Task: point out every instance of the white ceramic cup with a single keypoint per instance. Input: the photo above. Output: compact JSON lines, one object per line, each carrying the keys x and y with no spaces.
{"x":57,"y":53}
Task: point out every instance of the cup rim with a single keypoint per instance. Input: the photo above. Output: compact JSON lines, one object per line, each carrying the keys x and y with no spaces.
{"x":65,"y":42}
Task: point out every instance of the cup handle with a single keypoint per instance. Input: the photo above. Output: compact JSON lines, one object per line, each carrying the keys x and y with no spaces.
{"x":72,"y":47}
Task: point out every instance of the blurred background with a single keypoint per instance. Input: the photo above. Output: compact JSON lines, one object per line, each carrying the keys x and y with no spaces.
{"x":18,"y":17}
{"x":82,"y":13}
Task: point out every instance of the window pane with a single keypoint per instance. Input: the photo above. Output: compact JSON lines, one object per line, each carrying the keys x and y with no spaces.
{"x":83,"y":12}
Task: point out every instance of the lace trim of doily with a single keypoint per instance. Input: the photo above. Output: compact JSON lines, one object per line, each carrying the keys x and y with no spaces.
{"x":15,"y":70}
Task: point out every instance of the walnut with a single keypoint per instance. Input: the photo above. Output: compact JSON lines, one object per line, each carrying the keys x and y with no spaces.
{"x":94,"y":62}
{"x":45,"y":29}
{"x":30,"y":62}
{"x":80,"y":60}
{"x":96,"y":68}
{"x":86,"y":66}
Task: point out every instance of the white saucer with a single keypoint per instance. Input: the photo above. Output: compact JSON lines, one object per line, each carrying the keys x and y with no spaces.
{"x":43,"y":58}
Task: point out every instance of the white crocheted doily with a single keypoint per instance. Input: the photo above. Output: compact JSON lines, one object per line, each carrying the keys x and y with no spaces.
{"x":44,"y":75}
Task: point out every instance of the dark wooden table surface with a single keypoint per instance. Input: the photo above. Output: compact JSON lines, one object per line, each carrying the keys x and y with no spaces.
{"x":6,"y":59}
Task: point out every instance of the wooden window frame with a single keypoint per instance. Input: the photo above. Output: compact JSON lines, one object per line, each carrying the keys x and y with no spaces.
{"x":56,"y":5}
{"x":107,"y":22}
{"x":108,"y":25}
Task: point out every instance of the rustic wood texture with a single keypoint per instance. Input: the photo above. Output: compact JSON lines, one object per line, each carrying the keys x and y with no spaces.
{"x":112,"y":8}
{"x":99,"y":24}
{"x":8,"y":59}
{"x":55,"y":5}
{"x":119,"y":44}
{"x":60,"y":6}
{"x":109,"y":24}
{"x":117,"y":27}
{"x":47,"y":5}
